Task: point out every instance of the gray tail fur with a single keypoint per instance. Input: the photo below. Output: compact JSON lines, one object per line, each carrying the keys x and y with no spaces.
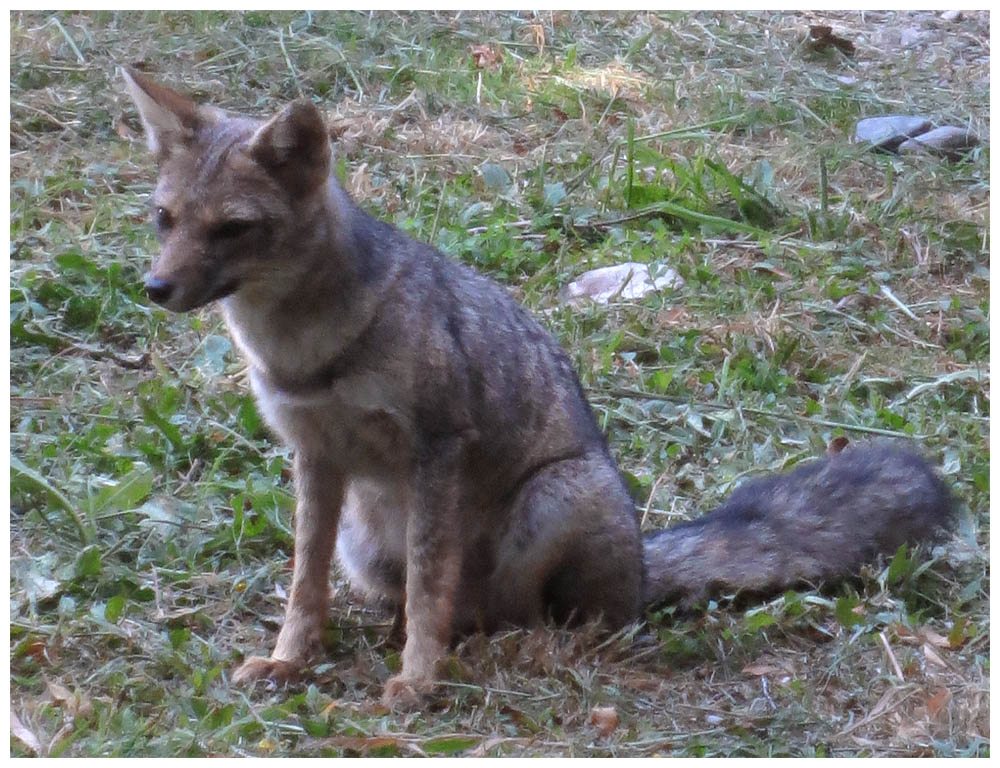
{"x":816,"y":524}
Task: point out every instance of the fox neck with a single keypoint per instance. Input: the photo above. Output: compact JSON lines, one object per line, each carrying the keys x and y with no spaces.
{"x":323,"y":299}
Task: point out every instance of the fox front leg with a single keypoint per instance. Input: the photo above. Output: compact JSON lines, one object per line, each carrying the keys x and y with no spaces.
{"x":319,"y":495}
{"x":433,"y":568}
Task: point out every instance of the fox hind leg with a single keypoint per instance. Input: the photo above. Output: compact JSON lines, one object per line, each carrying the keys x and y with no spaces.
{"x":572,"y":552}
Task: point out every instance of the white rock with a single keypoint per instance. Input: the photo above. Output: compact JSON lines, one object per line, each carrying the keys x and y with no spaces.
{"x":629,"y":281}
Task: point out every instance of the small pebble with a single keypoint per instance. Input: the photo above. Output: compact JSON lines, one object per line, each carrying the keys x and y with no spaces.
{"x":951,"y":16}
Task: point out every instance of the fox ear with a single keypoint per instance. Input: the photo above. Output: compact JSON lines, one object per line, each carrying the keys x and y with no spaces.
{"x":294,"y":146}
{"x":169,"y":118}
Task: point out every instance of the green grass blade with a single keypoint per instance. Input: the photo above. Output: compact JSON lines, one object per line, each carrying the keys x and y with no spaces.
{"x":32,"y":480}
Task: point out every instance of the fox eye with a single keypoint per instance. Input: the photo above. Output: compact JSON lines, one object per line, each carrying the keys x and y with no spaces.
{"x":230,"y":230}
{"x":164,"y":219}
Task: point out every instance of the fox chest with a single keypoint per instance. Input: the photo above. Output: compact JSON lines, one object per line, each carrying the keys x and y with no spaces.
{"x":359,"y":423}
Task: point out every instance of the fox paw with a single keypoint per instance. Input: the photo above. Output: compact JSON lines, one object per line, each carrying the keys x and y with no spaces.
{"x":406,"y":693}
{"x":260,"y":668}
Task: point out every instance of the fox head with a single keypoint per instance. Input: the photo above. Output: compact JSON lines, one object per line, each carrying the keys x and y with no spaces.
{"x":234,"y":195}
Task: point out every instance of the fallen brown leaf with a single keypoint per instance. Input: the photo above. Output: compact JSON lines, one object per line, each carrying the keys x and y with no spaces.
{"x":605,"y":720}
{"x":486,"y":56}
{"x":58,"y":693}
{"x":538,"y":33}
{"x":123,"y":129}
{"x":673,"y":316}
{"x":837,"y":445}
{"x":932,"y":656}
{"x":774,"y":271}
{"x":39,"y":651}
{"x":932,"y":637}
{"x":922,"y":635}
{"x":760,"y":670}
{"x":821,"y":37}
{"x":73,"y":704}
{"x":938,"y":701}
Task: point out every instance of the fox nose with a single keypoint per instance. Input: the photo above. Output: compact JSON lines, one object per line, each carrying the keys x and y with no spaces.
{"x":158,"y":290}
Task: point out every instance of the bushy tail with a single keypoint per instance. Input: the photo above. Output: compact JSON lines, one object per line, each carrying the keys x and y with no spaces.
{"x":818,"y":523}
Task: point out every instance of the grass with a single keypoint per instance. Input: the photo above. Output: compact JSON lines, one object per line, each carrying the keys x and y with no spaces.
{"x":828,"y":292}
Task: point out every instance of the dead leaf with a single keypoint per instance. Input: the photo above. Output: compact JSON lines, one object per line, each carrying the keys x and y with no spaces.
{"x":760,"y":670}
{"x":538,"y":32}
{"x":778,"y":272}
{"x":24,"y":734}
{"x":921,"y":635}
{"x":58,"y":693}
{"x":938,"y":701}
{"x":673,"y":316}
{"x":73,"y":704}
{"x":605,"y":720}
{"x":821,"y":37}
{"x":178,"y":616}
{"x":123,"y":129}
{"x":361,"y":182}
{"x":932,"y":656}
{"x":837,"y":445}
{"x":486,"y":56}
{"x":769,"y":665}
{"x":932,"y":637}
{"x":646,"y":683}
{"x":516,"y":716}
{"x":39,"y":651}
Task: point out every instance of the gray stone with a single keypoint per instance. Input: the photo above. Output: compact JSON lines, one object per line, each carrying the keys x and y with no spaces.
{"x":951,"y":16}
{"x":947,"y":140}
{"x":889,"y":131}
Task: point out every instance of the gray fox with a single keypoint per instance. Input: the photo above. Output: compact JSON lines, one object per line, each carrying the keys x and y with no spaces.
{"x":443,"y":445}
